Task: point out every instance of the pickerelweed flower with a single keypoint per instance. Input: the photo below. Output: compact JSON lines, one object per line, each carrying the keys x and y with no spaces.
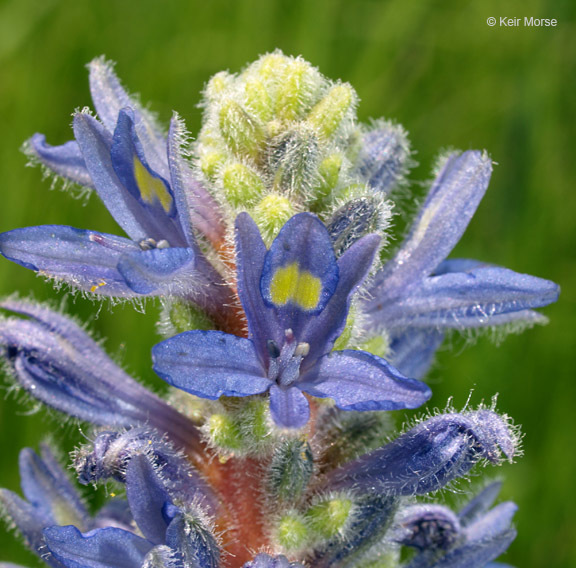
{"x":284,"y":334}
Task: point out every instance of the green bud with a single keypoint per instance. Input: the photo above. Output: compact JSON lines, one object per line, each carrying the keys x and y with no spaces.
{"x":291,"y":468}
{"x":298,"y":84}
{"x":242,"y":186}
{"x":210,"y":162}
{"x":218,"y":85}
{"x":328,"y":518}
{"x":257,"y":99}
{"x":241,"y":131}
{"x":292,"y":532}
{"x":272,"y":213}
{"x":329,"y":113}
{"x":253,"y":420}
{"x":224,"y":432}
{"x":377,"y":345}
{"x":342,"y":341}
{"x":184,"y":316}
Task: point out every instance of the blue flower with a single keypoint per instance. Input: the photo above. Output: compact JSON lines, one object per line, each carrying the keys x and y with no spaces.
{"x":469,"y":539}
{"x":418,"y":295}
{"x":58,"y":363}
{"x":57,"y":526}
{"x":149,"y":189}
{"x":296,"y":297}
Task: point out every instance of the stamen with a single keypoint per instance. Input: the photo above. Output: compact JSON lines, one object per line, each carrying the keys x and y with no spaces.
{"x":302,"y":349}
{"x":147,"y":244}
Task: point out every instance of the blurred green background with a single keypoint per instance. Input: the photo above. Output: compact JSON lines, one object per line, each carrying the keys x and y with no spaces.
{"x":435,"y":67}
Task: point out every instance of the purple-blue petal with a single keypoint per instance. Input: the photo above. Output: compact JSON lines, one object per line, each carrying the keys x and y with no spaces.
{"x":321,"y":331}
{"x":110,"y":98}
{"x":451,"y":202}
{"x":48,"y":489}
{"x":95,"y":143}
{"x":159,"y":271}
{"x":65,"y":160}
{"x":357,"y":380}
{"x":85,"y":259}
{"x":148,"y":498}
{"x":196,"y":207}
{"x":29,"y":521}
{"x":250,"y":255}
{"x":304,"y":242}
{"x":480,"y":503}
{"x":101,"y":548}
{"x":430,"y":455}
{"x":412,"y":351}
{"x":463,"y":300}
{"x":289,"y":407}
{"x":157,"y":212}
{"x":210,"y":364}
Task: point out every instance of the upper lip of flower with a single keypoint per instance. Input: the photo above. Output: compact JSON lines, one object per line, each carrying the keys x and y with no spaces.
{"x":418,"y":294}
{"x":296,"y":297}
{"x":146,"y":184}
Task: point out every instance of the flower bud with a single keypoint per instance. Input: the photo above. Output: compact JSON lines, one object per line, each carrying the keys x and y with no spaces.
{"x":242,"y":133}
{"x":242,"y":186}
{"x":272,"y":213}
{"x":291,"y":468}
{"x":292,"y":532}
{"x":331,"y":112}
{"x":430,"y":455}
{"x":329,"y":517}
{"x":384,"y":157}
{"x":352,"y":221}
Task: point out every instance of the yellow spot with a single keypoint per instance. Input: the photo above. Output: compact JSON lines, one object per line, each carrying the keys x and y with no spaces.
{"x":151,"y":188}
{"x":289,"y":284}
{"x":96,"y":286}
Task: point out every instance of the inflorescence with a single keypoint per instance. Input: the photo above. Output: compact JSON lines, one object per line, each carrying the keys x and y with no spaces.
{"x":289,"y":328}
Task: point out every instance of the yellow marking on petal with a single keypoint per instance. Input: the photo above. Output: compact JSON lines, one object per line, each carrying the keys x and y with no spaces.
{"x":151,"y":188}
{"x":96,"y":286}
{"x":290,"y":284}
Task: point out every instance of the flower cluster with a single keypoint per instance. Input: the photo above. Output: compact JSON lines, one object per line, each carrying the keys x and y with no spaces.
{"x":288,"y":328}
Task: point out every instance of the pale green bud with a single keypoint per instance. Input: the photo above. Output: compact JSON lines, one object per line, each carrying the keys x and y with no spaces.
{"x":242,"y":186}
{"x":272,"y":213}
{"x":254,"y":424}
{"x":292,"y":532}
{"x":242,"y":132}
{"x":218,"y":85}
{"x":297,"y":88}
{"x":330,"y":112}
{"x":224,"y":432}
{"x":184,"y":316}
{"x":328,"y":518}
{"x":377,"y":345}
{"x":210,"y":163}
{"x":257,"y":99}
